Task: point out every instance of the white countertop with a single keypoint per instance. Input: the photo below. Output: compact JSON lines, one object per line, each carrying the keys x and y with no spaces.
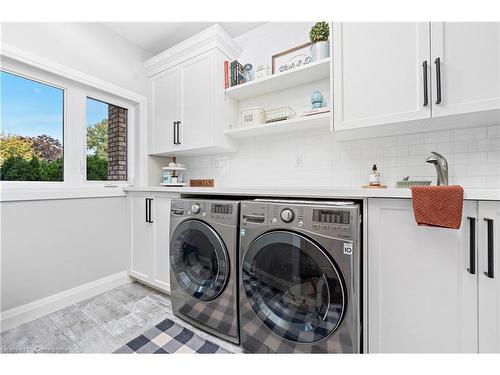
{"x":470,"y":194}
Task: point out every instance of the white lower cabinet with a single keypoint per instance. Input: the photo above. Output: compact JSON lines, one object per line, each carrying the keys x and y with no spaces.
{"x":148,"y":256}
{"x":423,"y":293}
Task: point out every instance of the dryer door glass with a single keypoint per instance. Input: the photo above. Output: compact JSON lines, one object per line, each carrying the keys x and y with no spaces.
{"x":293,"y":286}
{"x":199,"y":260}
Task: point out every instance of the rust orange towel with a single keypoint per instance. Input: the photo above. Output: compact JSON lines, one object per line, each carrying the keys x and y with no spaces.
{"x":438,"y":206}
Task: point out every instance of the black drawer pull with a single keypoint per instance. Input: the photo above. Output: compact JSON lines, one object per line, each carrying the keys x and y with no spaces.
{"x":472,"y":245}
{"x":149,"y":206}
{"x":491,"y":265}
{"x":175,"y":133}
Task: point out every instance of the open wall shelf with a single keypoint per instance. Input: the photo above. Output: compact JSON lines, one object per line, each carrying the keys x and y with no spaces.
{"x":296,"y":124}
{"x":312,"y":72}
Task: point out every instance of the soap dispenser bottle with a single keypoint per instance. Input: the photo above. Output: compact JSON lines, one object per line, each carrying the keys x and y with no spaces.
{"x":374,"y":178}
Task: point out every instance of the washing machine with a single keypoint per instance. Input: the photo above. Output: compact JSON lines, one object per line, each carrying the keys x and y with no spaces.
{"x":204,"y":264}
{"x":300,"y":285}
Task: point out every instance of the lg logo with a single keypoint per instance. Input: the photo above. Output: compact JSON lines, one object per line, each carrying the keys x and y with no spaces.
{"x":348,"y":248}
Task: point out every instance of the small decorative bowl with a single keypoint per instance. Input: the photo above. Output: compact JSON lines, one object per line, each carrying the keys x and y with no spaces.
{"x":407,"y":184}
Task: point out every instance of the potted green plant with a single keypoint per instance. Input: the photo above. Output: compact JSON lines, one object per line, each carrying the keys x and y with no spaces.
{"x":319,"y":34}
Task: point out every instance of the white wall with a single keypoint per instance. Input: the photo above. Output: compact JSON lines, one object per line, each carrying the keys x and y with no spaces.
{"x":89,"y":47}
{"x":55,"y":245}
{"x":314,"y":158}
{"x":51,"y":246}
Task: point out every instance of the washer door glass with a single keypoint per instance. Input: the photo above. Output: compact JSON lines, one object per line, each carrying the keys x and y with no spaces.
{"x":293,"y":286}
{"x":199,"y":260}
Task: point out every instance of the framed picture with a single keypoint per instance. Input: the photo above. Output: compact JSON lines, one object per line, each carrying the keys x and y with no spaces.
{"x":292,"y":58}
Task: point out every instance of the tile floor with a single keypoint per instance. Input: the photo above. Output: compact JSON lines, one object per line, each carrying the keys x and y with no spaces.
{"x":100,"y":324}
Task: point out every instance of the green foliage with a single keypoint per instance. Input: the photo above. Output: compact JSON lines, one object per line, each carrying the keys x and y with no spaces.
{"x":320,"y":32}
{"x":97,"y":168}
{"x":15,"y":146}
{"x":52,"y":170}
{"x":97,"y":139}
{"x":16,"y":168}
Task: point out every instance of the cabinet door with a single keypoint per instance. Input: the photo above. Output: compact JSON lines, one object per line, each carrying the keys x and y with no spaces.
{"x":166,"y":110}
{"x":469,"y":54}
{"x":489,"y":285}
{"x":142,"y":238}
{"x":162,"y":239}
{"x":421,"y":297}
{"x":379,"y":73}
{"x":197,"y":102}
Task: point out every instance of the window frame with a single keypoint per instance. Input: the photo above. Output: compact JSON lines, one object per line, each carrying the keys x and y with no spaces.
{"x":76,"y":86}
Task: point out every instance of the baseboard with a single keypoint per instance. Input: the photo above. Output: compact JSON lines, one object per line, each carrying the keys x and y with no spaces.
{"x":36,"y":309}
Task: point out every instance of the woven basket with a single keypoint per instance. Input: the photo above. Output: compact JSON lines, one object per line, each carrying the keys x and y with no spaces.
{"x":407,"y":184}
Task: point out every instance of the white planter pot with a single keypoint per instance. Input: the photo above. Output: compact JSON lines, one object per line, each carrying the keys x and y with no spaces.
{"x":320,"y":50}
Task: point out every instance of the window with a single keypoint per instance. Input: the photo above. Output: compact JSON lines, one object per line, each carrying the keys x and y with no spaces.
{"x":32,"y":125}
{"x":106,"y":141}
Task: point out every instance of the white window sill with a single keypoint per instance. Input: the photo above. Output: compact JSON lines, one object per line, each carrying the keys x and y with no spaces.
{"x":13,"y":195}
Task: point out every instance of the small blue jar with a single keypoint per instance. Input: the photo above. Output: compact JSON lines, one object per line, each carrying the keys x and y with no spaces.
{"x":317,"y":99}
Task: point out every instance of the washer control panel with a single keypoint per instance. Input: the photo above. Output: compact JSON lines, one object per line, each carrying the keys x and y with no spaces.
{"x":335,"y":219}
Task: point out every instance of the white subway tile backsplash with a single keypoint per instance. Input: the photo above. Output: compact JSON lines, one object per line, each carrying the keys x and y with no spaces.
{"x":483,"y":169}
{"x":469,"y":134}
{"x":494,"y":131}
{"x":412,"y":139}
{"x":451,"y":147}
{"x":491,"y":144}
{"x":473,"y":156}
{"x":470,"y":158}
{"x":396,"y":151}
{"x":493,"y":182}
{"x":494,"y":157}
{"x":423,"y":149}
{"x":435,"y":137}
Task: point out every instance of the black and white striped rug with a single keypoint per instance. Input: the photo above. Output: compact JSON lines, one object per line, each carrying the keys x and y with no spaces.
{"x":168,"y":337}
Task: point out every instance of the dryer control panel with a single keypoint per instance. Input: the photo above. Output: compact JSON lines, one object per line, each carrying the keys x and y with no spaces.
{"x":225,"y":212}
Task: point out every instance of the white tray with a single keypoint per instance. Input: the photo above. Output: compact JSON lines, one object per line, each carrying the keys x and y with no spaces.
{"x":173,"y":168}
{"x":173,"y":185}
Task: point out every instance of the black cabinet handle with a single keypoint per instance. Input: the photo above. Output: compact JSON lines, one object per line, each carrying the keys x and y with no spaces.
{"x":149,"y":205}
{"x":178,"y":132}
{"x":438,"y":80}
{"x":472,"y":245}
{"x":147,"y":209}
{"x":491,"y":264}
{"x":424,"y":77}
{"x":175,"y":133}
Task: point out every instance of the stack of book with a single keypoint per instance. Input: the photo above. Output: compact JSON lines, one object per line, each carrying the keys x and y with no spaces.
{"x":233,"y":73}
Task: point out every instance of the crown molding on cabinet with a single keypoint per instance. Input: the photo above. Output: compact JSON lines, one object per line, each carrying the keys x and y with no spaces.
{"x":213,"y":37}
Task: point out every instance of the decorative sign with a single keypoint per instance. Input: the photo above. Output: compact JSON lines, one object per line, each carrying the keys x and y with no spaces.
{"x":292,"y":58}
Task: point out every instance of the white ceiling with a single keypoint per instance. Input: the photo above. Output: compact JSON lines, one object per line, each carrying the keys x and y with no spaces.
{"x":155,"y":37}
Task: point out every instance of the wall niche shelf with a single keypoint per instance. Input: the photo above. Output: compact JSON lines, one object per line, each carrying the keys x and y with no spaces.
{"x":312,"y":72}
{"x":296,"y":124}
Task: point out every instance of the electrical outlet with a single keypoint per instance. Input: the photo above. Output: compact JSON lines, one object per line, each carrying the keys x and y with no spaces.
{"x":299,"y":161}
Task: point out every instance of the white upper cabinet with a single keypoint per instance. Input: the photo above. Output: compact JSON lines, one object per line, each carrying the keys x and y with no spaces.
{"x":379,"y":73}
{"x":166,"y":110}
{"x":197,"y":101}
{"x":391,"y":78}
{"x":190,"y":111}
{"x":466,"y":67}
